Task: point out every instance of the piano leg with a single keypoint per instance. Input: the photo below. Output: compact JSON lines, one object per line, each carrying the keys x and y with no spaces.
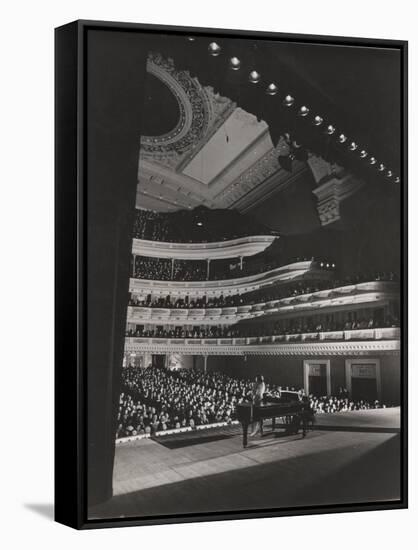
{"x":244,"y":434}
{"x":273,"y":424}
{"x":261,"y":427}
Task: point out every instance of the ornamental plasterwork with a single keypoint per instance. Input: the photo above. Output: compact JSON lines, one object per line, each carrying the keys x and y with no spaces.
{"x":323,"y":170}
{"x":262,"y":169}
{"x":391,"y":347}
{"x":330,"y":195}
{"x":200,"y":109}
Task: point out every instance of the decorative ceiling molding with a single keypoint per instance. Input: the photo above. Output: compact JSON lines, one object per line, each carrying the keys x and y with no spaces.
{"x":239,"y":168}
{"x":200,"y":110}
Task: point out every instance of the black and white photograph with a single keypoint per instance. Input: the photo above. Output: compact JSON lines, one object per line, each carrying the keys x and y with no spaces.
{"x":242,"y":336}
{"x":208,"y":237}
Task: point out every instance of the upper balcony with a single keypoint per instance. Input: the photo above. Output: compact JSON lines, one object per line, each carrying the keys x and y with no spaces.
{"x":198,"y":226}
{"x":232,"y":248}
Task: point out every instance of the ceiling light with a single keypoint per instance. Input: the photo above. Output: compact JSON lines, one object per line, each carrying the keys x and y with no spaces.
{"x":254,"y":77}
{"x":318,"y":120}
{"x":303,"y":111}
{"x":288,"y":101}
{"x":363,"y":154}
{"x":234,"y":63}
{"x":342,"y":138}
{"x":372,"y":160}
{"x":353,"y":146}
{"x":272,"y":89}
{"x":330,"y":129}
{"x":214,"y":49}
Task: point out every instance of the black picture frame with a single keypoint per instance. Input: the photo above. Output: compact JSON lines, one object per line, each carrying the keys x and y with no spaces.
{"x":73,"y":246}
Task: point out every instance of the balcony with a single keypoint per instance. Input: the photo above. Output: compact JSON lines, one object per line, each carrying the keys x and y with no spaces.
{"x":351,"y":297}
{"x":346,"y":342}
{"x":235,"y":248}
{"x":238,"y":285}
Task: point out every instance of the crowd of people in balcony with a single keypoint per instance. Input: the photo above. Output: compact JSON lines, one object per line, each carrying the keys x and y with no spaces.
{"x":263,"y":295}
{"x":313,"y":325}
{"x":197,"y":226}
{"x":185,"y":332}
{"x":157,"y":399}
{"x":164,"y":269}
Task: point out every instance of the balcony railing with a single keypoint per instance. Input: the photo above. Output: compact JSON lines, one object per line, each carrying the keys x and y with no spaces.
{"x":389,"y":333}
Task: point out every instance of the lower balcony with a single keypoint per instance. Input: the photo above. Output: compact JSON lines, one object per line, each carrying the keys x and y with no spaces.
{"x":346,"y":342}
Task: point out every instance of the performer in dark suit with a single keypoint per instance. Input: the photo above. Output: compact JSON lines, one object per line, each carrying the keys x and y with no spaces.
{"x":258,"y":394}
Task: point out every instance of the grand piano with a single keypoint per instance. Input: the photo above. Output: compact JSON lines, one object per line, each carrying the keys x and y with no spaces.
{"x":288,"y":411}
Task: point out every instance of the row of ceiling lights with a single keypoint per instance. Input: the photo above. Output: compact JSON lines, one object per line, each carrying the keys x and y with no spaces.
{"x":254,"y":77}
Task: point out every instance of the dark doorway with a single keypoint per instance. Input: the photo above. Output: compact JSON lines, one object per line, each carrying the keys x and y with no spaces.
{"x":158,"y":361}
{"x":318,"y":385}
{"x":364,"y":388}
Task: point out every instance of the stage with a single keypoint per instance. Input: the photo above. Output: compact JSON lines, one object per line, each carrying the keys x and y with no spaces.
{"x":347,"y":458}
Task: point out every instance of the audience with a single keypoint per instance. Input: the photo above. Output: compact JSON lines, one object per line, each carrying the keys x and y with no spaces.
{"x":262,"y":295}
{"x":311,"y":326}
{"x":156,"y":399}
{"x":164,"y":269}
{"x":199,"y":225}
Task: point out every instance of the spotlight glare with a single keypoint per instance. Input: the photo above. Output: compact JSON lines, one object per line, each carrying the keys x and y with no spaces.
{"x":272,"y":89}
{"x":342,"y":138}
{"x":330,"y":129}
{"x":373,"y":160}
{"x":353,"y":146}
{"x":303,"y":111}
{"x":318,"y":120}
{"x":214,"y":49}
{"x":254,"y":77}
{"x":363,"y":154}
{"x":381,"y":167}
{"x":389,"y":173}
{"x":397,"y":179}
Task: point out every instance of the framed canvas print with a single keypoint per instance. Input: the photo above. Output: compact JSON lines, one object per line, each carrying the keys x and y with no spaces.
{"x":230,"y":274}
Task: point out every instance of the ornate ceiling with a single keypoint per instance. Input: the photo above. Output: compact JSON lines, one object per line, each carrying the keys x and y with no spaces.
{"x":216,"y":154}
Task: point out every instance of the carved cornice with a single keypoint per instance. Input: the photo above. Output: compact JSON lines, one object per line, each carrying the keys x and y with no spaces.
{"x":195,"y":347}
{"x":334,"y":186}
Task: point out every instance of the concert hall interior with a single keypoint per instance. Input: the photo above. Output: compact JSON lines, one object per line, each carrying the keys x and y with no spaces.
{"x":261,"y":237}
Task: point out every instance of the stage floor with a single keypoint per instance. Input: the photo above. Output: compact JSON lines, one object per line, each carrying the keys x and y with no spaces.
{"x":348,"y":458}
